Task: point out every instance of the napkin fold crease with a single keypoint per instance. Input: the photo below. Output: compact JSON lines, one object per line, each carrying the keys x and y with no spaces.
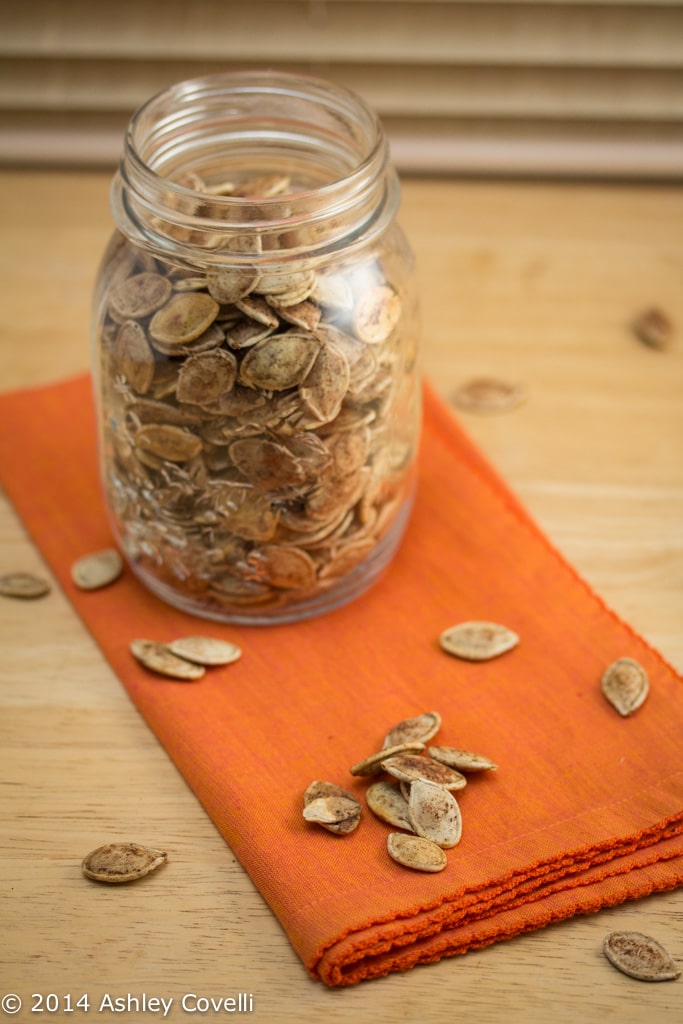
{"x":586,"y":808}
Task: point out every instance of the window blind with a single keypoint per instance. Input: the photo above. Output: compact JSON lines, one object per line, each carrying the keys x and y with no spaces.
{"x":462,"y":86}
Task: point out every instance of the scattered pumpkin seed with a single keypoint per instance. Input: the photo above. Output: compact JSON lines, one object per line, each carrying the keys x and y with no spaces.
{"x":23,"y":585}
{"x":625,"y":685}
{"x":122,"y":862}
{"x":477,"y":641}
{"x":205,"y":650}
{"x":415,"y":852}
{"x":640,"y":957}
{"x":91,"y":572}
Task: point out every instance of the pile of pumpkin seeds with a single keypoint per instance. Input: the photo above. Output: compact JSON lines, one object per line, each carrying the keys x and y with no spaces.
{"x":416,"y":798}
{"x":254,"y":449}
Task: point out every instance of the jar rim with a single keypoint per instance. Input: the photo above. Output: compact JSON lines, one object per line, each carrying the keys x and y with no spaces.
{"x":276,"y":115}
{"x":267,"y":82}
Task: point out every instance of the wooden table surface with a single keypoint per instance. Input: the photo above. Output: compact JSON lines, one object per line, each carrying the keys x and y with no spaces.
{"x":529,"y":282}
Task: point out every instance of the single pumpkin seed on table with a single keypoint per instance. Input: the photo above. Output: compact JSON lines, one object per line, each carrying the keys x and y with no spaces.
{"x":116,"y":863}
{"x":415,"y":852}
{"x":488,"y":395}
{"x":625,"y":684}
{"x":158,"y":658}
{"x":24,"y":585}
{"x":640,"y":956}
{"x":477,"y":640}
{"x":99,"y":569}
{"x":205,"y":650}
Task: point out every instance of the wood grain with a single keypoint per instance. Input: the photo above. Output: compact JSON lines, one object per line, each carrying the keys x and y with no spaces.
{"x":532,"y":283}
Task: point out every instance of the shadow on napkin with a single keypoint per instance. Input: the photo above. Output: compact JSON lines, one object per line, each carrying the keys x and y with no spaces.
{"x":586,"y":809}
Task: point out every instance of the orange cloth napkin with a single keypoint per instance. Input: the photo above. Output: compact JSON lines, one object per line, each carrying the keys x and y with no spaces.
{"x":586,"y":809}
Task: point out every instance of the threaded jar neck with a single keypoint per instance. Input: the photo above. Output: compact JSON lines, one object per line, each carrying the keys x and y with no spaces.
{"x":188,"y":146}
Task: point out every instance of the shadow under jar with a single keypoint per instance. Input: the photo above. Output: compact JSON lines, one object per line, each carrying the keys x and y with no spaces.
{"x":255,"y":335}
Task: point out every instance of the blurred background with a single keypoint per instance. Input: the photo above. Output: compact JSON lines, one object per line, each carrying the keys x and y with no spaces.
{"x":487,"y":87}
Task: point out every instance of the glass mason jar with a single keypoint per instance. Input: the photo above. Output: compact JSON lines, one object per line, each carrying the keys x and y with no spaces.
{"x":255,"y":336}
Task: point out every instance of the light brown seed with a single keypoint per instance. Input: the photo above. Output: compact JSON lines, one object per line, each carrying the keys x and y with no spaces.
{"x":256,"y":308}
{"x":434,"y":813}
{"x":134,"y":356}
{"x":325,"y":386}
{"x":477,"y":641}
{"x":227,"y":286}
{"x":205,"y":377}
{"x":97,"y":570}
{"x":284,"y":567}
{"x":168,"y":442}
{"x":280,"y":361}
{"x":387,"y":802}
{"x":372,"y":765}
{"x":335,"y":813}
{"x":376,"y":314}
{"x":122,"y":862}
{"x":410,"y":767}
{"x":415,"y":852}
{"x":625,"y":685}
{"x":318,"y":788}
{"x":302,"y":314}
{"x":654,"y":328}
{"x":140,"y":295}
{"x":421,"y":728}
{"x":205,"y":650}
{"x":184,"y":317}
{"x":332,"y":292}
{"x":266,"y":464}
{"x":158,"y":658}
{"x":488,"y":395}
{"x":461,"y":760}
{"x":640,"y":957}
{"x":23,"y":585}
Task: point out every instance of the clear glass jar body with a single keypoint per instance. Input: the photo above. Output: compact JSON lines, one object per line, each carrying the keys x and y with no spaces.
{"x":255,"y":337}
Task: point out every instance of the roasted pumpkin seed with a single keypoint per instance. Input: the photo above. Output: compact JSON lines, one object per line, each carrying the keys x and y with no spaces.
{"x":415,"y":852}
{"x":477,"y":641}
{"x":122,"y":862}
{"x":640,"y":956}
{"x":158,"y":658}
{"x":91,"y":572}
{"x":205,"y":650}
{"x":625,"y":684}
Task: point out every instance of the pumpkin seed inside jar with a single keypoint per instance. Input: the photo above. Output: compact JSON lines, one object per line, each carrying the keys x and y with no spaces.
{"x":257,"y":360}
